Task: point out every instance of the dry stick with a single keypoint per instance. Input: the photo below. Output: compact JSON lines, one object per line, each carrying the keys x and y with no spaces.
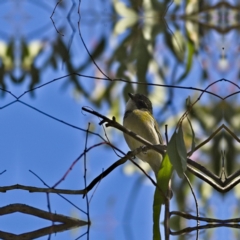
{"x":230,"y":95}
{"x":26,"y":209}
{"x":119,"y":80}
{"x":66,"y":223}
{"x":230,"y":181}
{"x":76,"y":161}
{"x":95,"y":181}
{"x":9,"y":92}
{"x":113,"y":123}
{"x":166,"y":135}
{"x":158,"y":148}
{"x":44,"y":84}
{"x":49,"y":206}
{"x":79,"y":3}
{"x":3,"y":172}
{"x":121,"y":161}
{"x":85,"y":172}
{"x":113,"y":148}
{"x":209,"y":8}
{"x":167,"y":202}
{"x":128,"y":156}
{"x":77,"y":192}
{"x":146,"y":143}
{"x":98,"y":183}
{"x":51,"y":17}
{"x":203,"y":171}
{"x":126,"y":81}
{"x":205,"y":90}
{"x":230,"y":132}
{"x":85,"y":46}
{"x":211,"y":179}
{"x":204,"y":219}
{"x":166,"y":10}
{"x":85,"y":180}
{"x":55,"y":8}
{"x":58,"y":193}
{"x":207,"y":226}
{"x":166,"y":218}
{"x":212,"y":136}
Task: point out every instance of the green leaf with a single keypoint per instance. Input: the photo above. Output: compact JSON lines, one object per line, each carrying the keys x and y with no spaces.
{"x":179,"y":42}
{"x":163,"y":178}
{"x":190,"y":46}
{"x":174,"y":156}
{"x":177,"y":152}
{"x":193,"y":137}
{"x":182,"y":152}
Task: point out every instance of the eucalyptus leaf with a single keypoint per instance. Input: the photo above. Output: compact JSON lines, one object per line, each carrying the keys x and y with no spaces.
{"x":182,"y":152}
{"x":190,"y":51}
{"x":173,"y":154}
{"x":177,"y":153}
{"x":193,"y":137}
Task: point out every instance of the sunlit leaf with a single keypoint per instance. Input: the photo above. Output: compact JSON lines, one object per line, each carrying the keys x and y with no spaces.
{"x":123,"y":24}
{"x":178,"y":42}
{"x":123,"y":10}
{"x":177,"y":2}
{"x":191,"y":7}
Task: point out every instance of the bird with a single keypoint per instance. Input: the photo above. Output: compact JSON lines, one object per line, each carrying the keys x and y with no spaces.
{"x":138,"y":118}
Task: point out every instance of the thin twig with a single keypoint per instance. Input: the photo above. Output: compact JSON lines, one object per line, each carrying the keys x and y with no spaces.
{"x":75,"y":162}
{"x":206,"y":226}
{"x":85,"y":46}
{"x":85,"y":171}
{"x":51,"y":17}
{"x":195,"y":199}
{"x":85,"y":180}
{"x":160,"y":148}
{"x":58,"y":193}
{"x":3,"y":172}
{"x":204,"y":219}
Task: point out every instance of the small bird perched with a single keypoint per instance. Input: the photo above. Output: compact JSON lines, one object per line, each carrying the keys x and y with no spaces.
{"x":139,"y":119}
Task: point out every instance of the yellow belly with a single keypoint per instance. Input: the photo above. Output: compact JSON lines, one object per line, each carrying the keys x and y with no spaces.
{"x":142,"y":123}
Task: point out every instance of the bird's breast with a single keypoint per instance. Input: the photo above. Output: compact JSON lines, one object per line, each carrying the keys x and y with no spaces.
{"x":141,"y":123}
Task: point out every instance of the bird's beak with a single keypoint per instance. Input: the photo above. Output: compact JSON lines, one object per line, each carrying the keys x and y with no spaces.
{"x":131,"y":95}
